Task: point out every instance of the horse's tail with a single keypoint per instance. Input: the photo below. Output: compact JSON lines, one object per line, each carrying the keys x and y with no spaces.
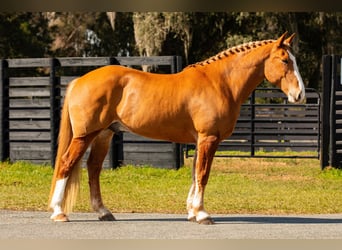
{"x":64,"y":139}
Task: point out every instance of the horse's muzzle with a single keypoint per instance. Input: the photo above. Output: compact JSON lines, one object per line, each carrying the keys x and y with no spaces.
{"x":298,"y":97}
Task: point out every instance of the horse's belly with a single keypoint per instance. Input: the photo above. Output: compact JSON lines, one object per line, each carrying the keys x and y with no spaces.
{"x":167,"y":132}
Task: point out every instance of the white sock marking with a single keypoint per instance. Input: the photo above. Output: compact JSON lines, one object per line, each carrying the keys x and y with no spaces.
{"x":202,"y":215}
{"x":58,"y":195}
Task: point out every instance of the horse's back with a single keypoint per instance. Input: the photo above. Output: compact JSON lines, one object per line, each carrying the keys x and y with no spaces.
{"x":137,"y":99}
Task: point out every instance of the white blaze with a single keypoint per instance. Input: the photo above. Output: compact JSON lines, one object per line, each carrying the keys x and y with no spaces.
{"x":297,"y":74}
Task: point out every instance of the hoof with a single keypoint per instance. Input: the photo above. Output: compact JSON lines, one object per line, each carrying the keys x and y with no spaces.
{"x":206,"y":221}
{"x":107,"y":217}
{"x":192,"y":219}
{"x":60,"y":218}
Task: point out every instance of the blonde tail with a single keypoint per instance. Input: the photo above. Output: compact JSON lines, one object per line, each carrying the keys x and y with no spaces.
{"x":64,"y":139}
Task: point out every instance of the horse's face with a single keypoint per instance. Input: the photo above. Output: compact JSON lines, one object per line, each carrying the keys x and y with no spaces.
{"x":281,"y":69}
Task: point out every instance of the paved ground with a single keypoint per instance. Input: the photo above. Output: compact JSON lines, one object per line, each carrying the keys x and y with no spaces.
{"x":37,"y":225}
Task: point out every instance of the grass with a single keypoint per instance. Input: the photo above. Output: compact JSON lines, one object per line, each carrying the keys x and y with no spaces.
{"x":236,"y":185}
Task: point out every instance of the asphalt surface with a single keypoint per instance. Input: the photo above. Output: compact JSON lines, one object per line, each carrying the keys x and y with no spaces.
{"x":37,"y":225}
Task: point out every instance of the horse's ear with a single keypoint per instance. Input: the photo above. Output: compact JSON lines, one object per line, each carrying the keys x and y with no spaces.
{"x":288,"y":40}
{"x":281,"y":39}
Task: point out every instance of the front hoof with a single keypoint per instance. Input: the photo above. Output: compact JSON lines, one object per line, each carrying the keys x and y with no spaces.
{"x":206,"y":221}
{"x":107,"y":217}
{"x":60,"y":218}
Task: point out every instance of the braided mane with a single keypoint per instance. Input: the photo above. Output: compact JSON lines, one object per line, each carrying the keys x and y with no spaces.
{"x":246,"y":47}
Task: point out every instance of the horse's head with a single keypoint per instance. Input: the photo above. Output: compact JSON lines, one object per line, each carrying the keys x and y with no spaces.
{"x":281,"y":69}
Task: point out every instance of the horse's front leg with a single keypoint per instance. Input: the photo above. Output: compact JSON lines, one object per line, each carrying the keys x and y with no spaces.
{"x":191,"y":215}
{"x":99,"y":149}
{"x":206,"y":147}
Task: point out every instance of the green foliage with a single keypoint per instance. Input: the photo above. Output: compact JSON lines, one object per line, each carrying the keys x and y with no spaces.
{"x":112,"y":42}
{"x":23,"y":35}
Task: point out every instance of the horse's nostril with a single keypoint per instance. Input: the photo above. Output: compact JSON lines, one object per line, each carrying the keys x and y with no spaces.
{"x":299,"y":96}
{"x":296,"y":97}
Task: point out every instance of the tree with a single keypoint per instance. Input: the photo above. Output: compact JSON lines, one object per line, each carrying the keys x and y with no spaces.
{"x":24,"y":34}
{"x":318,"y":34}
{"x":149,"y":32}
{"x":174,"y":32}
{"x":69,"y":32}
{"x":193,"y":35}
{"x":91,"y":33}
{"x":179,"y":26}
{"x":112,"y":41}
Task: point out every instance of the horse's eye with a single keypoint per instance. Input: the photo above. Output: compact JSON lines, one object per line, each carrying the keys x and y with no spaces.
{"x":285,"y":61}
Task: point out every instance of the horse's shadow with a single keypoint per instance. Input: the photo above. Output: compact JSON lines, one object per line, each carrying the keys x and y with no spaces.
{"x":277,"y":220}
{"x":236,"y":220}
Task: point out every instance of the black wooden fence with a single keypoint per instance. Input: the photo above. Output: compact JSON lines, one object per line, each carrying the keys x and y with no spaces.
{"x":32,"y":92}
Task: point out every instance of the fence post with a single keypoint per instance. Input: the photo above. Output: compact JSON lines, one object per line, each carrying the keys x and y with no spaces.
{"x":325,"y":111}
{"x":4,"y":112}
{"x":252,"y":103}
{"x":332,"y":114}
{"x":116,"y":150}
{"x":55,"y":104}
{"x":176,"y":66}
{"x":116,"y":155}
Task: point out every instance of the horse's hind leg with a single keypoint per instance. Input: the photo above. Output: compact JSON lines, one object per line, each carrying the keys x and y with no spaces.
{"x":69,"y":163}
{"x":99,"y":149}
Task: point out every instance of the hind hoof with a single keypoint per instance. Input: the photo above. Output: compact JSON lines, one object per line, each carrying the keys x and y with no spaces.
{"x":107,"y":217}
{"x":206,"y":221}
{"x":60,"y":218}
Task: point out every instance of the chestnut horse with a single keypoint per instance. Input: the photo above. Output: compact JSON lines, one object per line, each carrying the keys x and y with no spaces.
{"x":197,"y":105}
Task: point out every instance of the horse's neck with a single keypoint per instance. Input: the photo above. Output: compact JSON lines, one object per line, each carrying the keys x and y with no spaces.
{"x":245,"y":73}
{"x":239,"y":74}
{"x":248,"y":80}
